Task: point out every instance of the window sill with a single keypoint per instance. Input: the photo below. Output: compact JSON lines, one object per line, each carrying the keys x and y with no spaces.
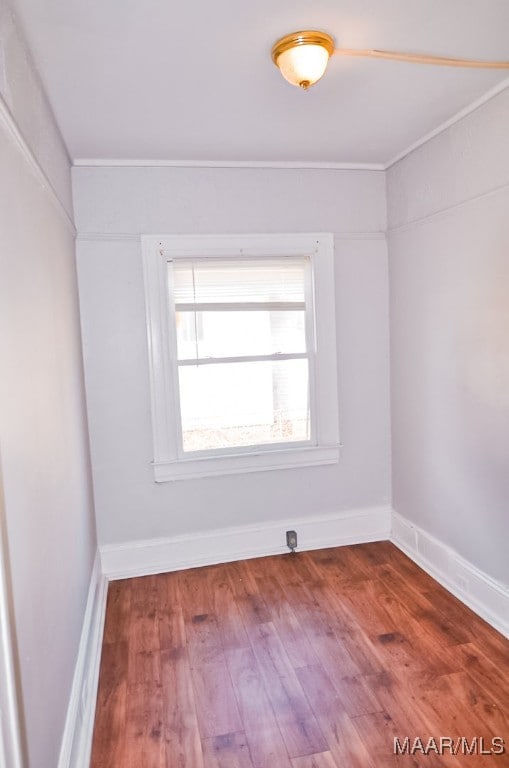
{"x":165,"y":471}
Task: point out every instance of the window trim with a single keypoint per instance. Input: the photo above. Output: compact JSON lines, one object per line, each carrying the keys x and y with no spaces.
{"x":157,"y":250}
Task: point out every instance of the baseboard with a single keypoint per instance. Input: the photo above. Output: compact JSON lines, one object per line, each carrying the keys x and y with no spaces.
{"x":487,"y":597}
{"x":140,"y":558}
{"x":77,"y":738}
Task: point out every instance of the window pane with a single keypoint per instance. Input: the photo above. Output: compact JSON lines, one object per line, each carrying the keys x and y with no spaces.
{"x":232,"y":280}
{"x":233,"y":334}
{"x":240,"y":404}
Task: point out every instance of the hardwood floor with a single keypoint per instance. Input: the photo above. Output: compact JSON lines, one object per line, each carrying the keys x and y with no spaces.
{"x":312,"y":660}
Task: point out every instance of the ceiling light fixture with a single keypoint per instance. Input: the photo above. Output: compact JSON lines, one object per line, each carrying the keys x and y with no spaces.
{"x":302,"y":57}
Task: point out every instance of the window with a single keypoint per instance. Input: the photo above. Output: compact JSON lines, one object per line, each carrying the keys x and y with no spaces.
{"x":241,"y":352}
{"x":243,"y":336}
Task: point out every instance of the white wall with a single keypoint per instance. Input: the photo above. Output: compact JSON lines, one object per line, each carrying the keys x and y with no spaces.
{"x":112,"y":201}
{"x":43,"y":433}
{"x":448,"y":205}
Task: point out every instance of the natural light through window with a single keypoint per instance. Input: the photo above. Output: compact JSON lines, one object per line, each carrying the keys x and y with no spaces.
{"x":242,"y":352}
{"x":243,"y":357}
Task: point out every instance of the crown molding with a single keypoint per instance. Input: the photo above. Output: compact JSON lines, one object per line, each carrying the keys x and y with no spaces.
{"x":135,"y":237}
{"x":100,"y":162}
{"x":10,"y":126}
{"x":502,"y":86}
{"x":267,"y":164}
{"x":123,"y":237}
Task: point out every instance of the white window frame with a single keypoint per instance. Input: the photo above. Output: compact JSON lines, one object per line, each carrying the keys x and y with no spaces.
{"x":170,"y":463}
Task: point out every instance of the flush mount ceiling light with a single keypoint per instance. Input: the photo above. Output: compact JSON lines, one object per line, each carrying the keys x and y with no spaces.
{"x":302,"y":57}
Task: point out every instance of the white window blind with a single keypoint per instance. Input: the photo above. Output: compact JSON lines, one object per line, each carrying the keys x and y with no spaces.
{"x":243,"y":330}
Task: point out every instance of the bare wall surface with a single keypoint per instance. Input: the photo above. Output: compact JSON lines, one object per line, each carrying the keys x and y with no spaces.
{"x":448,"y":207}
{"x":43,"y":432}
{"x":109,"y":201}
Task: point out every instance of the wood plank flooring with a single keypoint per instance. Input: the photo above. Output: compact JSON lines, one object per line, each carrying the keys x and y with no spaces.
{"x":312,"y":660}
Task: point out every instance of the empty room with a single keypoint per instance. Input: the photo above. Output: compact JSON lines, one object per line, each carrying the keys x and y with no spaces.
{"x":254,"y":390}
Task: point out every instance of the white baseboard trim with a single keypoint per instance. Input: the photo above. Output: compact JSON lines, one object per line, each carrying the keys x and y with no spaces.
{"x":140,"y":558}
{"x":77,"y":739}
{"x":487,"y":597}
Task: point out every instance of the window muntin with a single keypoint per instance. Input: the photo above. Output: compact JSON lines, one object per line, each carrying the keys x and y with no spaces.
{"x":244,"y":360}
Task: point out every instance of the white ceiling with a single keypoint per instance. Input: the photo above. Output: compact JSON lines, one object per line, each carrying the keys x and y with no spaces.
{"x":193,"y":80}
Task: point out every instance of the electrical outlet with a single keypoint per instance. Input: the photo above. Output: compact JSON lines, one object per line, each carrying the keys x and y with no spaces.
{"x":291,"y":540}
